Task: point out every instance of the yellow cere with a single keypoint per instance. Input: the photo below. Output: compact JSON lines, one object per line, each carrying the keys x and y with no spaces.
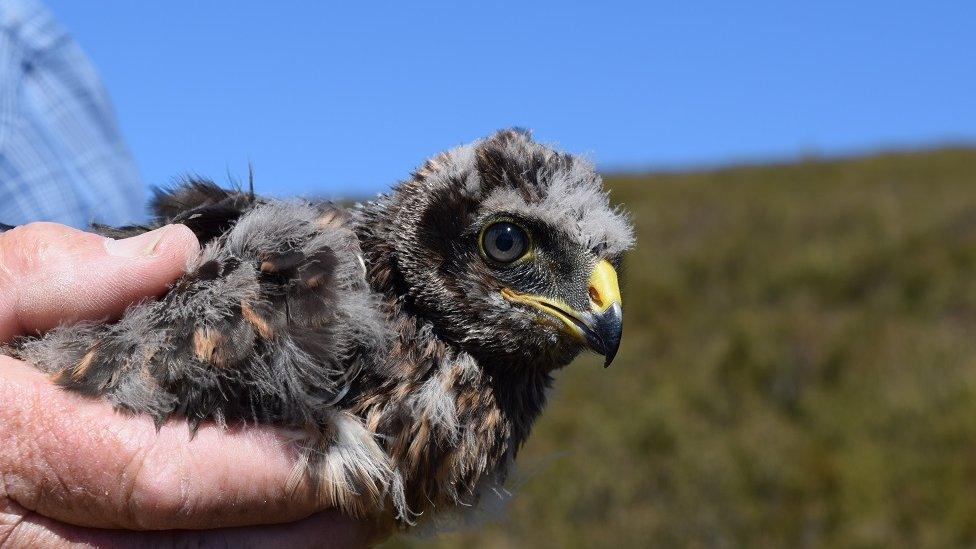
{"x":604,"y":289}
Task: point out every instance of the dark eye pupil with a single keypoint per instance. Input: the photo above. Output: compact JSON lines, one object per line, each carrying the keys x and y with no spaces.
{"x":505,"y":241}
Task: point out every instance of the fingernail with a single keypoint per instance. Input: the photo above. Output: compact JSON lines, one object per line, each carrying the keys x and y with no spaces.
{"x":136,"y":246}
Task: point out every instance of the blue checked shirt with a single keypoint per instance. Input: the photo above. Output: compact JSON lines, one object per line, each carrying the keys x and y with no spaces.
{"x":61,"y":155}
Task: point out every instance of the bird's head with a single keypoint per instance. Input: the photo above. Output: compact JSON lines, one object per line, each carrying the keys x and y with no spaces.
{"x":509,"y":248}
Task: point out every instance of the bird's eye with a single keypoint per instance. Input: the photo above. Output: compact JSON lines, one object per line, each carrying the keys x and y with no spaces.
{"x":504,"y":242}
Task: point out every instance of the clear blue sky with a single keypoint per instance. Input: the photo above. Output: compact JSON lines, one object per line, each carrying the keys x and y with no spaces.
{"x":346,"y":98}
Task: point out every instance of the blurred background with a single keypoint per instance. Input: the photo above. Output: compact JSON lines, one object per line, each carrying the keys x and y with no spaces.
{"x":346,"y":98}
{"x":799,"y":359}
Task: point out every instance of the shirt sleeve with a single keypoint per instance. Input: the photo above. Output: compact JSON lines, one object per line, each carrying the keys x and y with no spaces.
{"x":62,"y":157}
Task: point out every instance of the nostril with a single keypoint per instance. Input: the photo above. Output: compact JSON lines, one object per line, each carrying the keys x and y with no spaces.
{"x":595,"y":297}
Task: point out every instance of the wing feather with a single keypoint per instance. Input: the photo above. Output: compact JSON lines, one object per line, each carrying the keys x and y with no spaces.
{"x":266,"y":326}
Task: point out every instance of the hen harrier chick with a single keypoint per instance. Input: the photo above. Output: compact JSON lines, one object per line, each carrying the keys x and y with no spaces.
{"x":410,"y":341}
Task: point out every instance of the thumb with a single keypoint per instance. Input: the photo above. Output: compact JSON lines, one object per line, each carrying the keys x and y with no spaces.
{"x":51,"y":274}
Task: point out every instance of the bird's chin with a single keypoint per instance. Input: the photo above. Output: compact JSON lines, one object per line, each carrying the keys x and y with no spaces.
{"x":540,"y":348}
{"x":558,"y":348}
{"x":564,"y":356}
{"x":543,"y":341}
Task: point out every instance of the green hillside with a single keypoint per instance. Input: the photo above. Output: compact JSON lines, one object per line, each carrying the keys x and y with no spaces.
{"x":798,"y":368}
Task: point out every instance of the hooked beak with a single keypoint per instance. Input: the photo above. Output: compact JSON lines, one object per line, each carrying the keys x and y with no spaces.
{"x":601,"y":326}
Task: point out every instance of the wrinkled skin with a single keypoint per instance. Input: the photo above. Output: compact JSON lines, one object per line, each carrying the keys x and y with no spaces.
{"x":75,"y":472}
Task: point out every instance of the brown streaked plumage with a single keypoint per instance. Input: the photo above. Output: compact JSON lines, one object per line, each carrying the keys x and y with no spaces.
{"x":412,"y":340}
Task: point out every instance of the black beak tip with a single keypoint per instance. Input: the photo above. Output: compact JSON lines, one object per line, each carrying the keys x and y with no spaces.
{"x":609,"y":328}
{"x":611,"y":352}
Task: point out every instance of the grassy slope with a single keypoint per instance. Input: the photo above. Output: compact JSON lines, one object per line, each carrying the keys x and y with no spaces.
{"x":798,"y":368}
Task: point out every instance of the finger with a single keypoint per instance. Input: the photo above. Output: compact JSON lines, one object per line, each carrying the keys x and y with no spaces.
{"x":51,"y":274}
{"x":78,"y":461}
{"x":328,"y":529}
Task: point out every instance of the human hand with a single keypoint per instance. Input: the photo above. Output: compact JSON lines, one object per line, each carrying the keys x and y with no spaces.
{"x":74,"y":471}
